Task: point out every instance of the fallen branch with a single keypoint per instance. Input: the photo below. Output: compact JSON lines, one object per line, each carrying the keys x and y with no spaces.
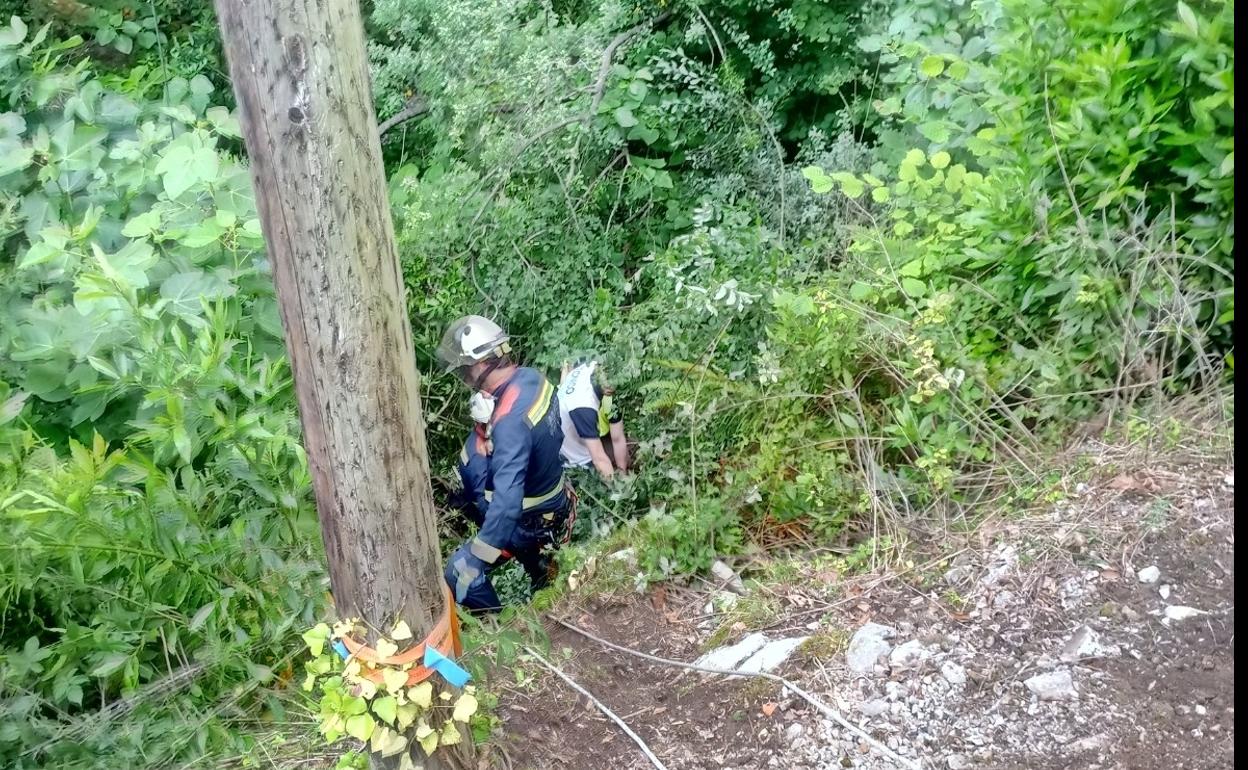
{"x":601,"y":707}
{"x":608,"y":55}
{"x":415,"y":107}
{"x":819,"y":705}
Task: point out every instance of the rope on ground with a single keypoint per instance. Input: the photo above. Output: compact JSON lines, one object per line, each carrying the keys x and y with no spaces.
{"x":601,"y":707}
{"x":819,"y":705}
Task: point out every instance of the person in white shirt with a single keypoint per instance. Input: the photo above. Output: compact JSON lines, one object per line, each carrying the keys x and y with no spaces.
{"x":586,"y":412}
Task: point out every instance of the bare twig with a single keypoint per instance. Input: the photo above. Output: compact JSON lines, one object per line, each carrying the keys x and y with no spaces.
{"x":819,"y":705}
{"x":641,"y":744}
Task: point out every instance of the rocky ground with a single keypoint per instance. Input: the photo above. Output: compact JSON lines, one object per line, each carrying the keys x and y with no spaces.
{"x":1096,"y":632}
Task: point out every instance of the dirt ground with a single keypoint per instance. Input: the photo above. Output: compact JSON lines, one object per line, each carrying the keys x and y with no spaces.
{"x":987,"y":615}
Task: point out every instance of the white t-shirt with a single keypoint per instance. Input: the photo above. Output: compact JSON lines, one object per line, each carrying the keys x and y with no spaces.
{"x":578,"y":412}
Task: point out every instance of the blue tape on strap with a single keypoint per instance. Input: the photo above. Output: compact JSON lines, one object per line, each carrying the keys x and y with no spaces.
{"x":449,"y":669}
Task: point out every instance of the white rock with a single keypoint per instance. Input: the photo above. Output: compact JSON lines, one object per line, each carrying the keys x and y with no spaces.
{"x":728,"y":657}
{"x":868,"y":645}
{"x":1149,"y":574}
{"x":909,"y":655}
{"x":772,"y":655}
{"x":1053,"y":685}
{"x":793,"y":732}
{"x":953,"y":673}
{"x":1164,"y":591}
{"x":1179,"y":612}
{"x":957,"y":762}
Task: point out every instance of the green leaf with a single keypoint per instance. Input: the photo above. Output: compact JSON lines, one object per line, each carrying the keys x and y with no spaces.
{"x":15,"y":159}
{"x":913,"y":286}
{"x":935,"y":131}
{"x":142,"y":225}
{"x":315,"y":638}
{"x":860,"y":291}
{"x":175,"y":168}
{"x":465,"y":707}
{"x":851,"y":186}
{"x":110,"y":663}
{"x":427,"y":737}
{"x":932,"y":66}
{"x":124,"y":44}
{"x":15,"y":34}
{"x":940,"y":160}
{"x":386,"y":708}
{"x":360,"y":727}
{"x":1188,"y":17}
{"x":820,"y":183}
{"x":201,"y":616}
{"x":880,"y":195}
{"x":624,"y":117}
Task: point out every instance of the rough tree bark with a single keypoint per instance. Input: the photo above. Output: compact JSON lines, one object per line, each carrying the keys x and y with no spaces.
{"x":301,"y":78}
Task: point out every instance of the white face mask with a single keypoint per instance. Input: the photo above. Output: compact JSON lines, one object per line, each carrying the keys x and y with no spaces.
{"x":481,"y":406}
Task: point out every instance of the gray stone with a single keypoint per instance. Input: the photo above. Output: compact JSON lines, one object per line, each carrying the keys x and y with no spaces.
{"x":1052,"y":686}
{"x":909,"y":655}
{"x":868,"y":645}
{"x":873,"y":708}
{"x":957,"y":762}
{"x":953,"y":673}
{"x":1149,"y":574}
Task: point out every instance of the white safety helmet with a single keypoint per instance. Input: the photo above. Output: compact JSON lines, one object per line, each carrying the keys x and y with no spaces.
{"x":471,"y":339}
{"x":481,"y":406}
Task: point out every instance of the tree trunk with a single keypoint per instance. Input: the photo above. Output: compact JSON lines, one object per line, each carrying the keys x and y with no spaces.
{"x":301,"y":78}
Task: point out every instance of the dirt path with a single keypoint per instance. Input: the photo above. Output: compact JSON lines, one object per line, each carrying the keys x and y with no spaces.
{"x":1036,"y":646}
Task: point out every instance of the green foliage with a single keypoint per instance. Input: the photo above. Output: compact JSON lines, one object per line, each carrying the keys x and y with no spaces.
{"x":159,"y":542}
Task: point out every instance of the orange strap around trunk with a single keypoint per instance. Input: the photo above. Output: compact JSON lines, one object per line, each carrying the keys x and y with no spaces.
{"x":444,"y":638}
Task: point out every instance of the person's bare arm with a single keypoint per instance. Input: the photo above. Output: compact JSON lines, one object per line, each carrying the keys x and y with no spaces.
{"x":619,"y":446}
{"x":601,"y":462}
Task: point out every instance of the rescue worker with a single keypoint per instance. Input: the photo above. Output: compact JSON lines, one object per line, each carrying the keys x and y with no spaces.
{"x":585,"y":411}
{"x":510,"y":464}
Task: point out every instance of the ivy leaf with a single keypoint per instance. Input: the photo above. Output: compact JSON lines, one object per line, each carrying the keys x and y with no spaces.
{"x":386,"y":708}
{"x":940,"y":160}
{"x":450,"y":734}
{"x":931,"y":66}
{"x":465,"y":707}
{"x":421,"y":695}
{"x":913,"y":286}
{"x":427,"y":737}
{"x":315,"y":638}
{"x":880,"y":195}
{"x":902,"y":229}
{"x":394,"y":679}
{"x":386,"y":648}
{"x":624,"y":117}
{"x":401,"y":631}
{"x":387,"y":742}
{"x":309,"y":682}
{"x":405,"y":715}
{"x":360,"y":727}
